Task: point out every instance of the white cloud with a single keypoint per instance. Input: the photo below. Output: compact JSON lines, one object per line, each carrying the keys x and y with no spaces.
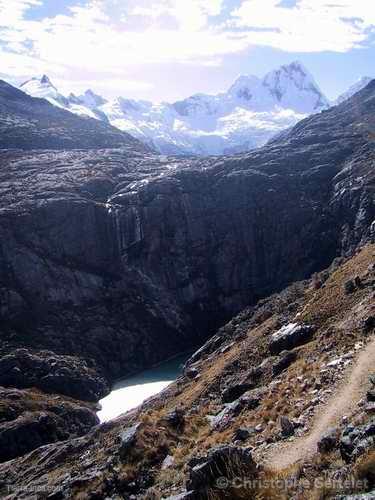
{"x":88,"y":38}
{"x":190,"y":15}
{"x":310,"y":26}
{"x":13,"y":10}
{"x":22,"y":65}
{"x":107,"y":86}
{"x":111,"y":37}
{"x":193,"y":15}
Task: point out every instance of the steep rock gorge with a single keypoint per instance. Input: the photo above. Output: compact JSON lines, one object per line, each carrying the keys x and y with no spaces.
{"x":114,"y":259}
{"x":123,"y":257}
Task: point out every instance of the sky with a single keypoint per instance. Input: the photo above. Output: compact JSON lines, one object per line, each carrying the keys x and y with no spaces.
{"x":164,"y":50}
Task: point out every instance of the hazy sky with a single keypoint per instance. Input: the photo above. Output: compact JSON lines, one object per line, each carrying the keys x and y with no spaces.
{"x":169,"y":49}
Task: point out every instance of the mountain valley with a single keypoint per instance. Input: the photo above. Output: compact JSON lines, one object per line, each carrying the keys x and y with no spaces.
{"x":114,"y":258}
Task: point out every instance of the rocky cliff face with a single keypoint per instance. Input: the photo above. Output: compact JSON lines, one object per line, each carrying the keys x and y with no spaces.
{"x":114,"y":259}
{"x":126,"y":257}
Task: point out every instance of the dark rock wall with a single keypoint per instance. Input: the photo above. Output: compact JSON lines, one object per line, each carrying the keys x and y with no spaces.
{"x":127,"y":258}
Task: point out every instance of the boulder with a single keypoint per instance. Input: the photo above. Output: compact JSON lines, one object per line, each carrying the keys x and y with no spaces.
{"x":358,"y":282}
{"x":235,"y":391}
{"x":127,"y":440}
{"x":186,"y":495}
{"x":28,"y":432}
{"x":251,"y":399}
{"x":226,"y":415}
{"x":191,"y":373}
{"x":370,"y":407}
{"x":285,"y":359}
{"x":243,"y":433}
{"x":356,"y":440}
{"x":176,"y":418}
{"x":223,"y":461}
{"x":290,"y":336}
{"x":67,"y":375}
{"x":287,"y":426}
{"x":209,"y":347}
{"x":29,"y":419}
{"x":369,"y":428}
{"x":349,"y":287}
{"x":369,"y":324}
{"x":167,"y":462}
{"x":329,"y":441}
{"x":346,"y":447}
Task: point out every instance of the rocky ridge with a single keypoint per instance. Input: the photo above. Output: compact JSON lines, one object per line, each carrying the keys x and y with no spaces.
{"x":32,"y":123}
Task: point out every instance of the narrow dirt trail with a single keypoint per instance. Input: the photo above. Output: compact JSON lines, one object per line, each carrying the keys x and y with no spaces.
{"x":350,"y":391}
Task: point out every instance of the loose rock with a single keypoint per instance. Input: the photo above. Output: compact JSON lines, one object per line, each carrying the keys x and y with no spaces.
{"x":329,"y":441}
{"x":128,"y":438}
{"x":290,"y":336}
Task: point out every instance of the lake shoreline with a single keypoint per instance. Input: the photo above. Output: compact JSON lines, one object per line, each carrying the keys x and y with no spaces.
{"x":130,"y":392}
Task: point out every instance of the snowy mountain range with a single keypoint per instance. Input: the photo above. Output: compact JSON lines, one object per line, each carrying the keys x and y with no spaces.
{"x":251,"y":112}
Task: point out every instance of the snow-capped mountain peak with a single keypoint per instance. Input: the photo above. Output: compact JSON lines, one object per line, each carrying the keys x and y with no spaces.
{"x":243,"y":86}
{"x":248,"y":91}
{"x":46,"y":81}
{"x":290,"y":87}
{"x":41,"y":87}
{"x":356,"y":87}
{"x":86,"y":105}
{"x":294,"y":87}
{"x":92,"y":100}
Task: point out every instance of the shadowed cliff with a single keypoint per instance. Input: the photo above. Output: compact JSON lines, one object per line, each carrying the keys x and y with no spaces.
{"x":125,"y":257}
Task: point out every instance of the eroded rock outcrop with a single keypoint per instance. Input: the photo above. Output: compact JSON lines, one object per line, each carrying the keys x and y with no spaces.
{"x":66,"y":375}
{"x":29,"y":419}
